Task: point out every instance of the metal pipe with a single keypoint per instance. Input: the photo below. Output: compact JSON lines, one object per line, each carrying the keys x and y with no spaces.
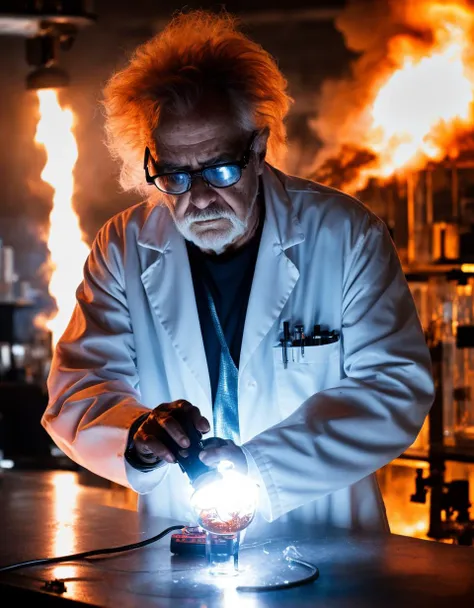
{"x":429,"y":196}
{"x":411,"y":253}
{"x":436,"y":448}
{"x":455,"y":192}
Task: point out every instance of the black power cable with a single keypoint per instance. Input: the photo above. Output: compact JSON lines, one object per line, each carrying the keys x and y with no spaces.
{"x":314,"y":572}
{"x":95,"y":552}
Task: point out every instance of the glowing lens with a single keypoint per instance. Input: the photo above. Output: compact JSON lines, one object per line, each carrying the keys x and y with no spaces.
{"x":173,"y":183}
{"x":223,"y":176}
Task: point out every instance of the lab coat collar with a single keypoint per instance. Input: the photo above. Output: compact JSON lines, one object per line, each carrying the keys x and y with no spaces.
{"x":167,"y":281}
{"x":281,"y":218}
{"x":158,"y":228}
{"x":275,"y":274}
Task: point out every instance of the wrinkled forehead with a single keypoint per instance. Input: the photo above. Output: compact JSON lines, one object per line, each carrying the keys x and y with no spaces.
{"x":197,"y":138}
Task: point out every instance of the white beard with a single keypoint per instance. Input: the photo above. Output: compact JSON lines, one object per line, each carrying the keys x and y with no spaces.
{"x":214,"y":240}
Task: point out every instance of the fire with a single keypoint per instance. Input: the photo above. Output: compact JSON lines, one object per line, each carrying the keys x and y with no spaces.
{"x":417,"y":101}
{"x":64,"y":239}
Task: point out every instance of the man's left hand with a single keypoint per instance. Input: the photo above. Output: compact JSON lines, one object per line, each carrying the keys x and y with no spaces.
{"x":211,"y":456}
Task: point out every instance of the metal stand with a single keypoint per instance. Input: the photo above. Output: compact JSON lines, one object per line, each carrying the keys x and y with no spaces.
{"x":452,"y":498}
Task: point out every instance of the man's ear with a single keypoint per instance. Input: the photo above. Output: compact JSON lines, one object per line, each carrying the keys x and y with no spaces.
{"x":260,"y":147}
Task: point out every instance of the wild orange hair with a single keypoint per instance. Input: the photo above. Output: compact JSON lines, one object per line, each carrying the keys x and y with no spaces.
{"x":198,"y":53}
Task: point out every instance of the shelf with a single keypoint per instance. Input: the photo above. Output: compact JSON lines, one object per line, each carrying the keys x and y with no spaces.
{"x":452,"y":454}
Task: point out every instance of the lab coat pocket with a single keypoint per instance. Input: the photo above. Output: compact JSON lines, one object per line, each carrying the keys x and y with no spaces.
{"x":306,"y":374}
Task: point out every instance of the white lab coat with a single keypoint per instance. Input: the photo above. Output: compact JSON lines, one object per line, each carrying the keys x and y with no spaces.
{"x":314,"y":433}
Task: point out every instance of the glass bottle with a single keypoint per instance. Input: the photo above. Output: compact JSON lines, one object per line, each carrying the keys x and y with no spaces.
{"x":447,"y":337}
{"x":464,"y":360}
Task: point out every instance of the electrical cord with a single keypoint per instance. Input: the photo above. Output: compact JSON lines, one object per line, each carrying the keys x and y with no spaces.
{"x":95,"y":552}
{"x":314,"y":571}
{"x":314,"y":574}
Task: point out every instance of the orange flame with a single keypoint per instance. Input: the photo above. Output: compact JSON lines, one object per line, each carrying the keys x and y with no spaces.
{"x":419,"y":98}
{"x":65,"y":243}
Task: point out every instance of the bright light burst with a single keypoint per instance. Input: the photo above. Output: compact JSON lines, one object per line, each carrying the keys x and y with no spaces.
{"x":226,"y":503}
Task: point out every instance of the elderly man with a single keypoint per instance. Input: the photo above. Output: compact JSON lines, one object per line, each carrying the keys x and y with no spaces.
{"x":212,"y":298}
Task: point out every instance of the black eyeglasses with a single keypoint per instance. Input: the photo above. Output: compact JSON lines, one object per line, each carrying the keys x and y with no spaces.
{"x":221,"y":175}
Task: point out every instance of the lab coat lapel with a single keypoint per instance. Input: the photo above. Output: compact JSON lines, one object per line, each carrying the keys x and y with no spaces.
{"x":275,"y":274}
{"x":168,"y":284}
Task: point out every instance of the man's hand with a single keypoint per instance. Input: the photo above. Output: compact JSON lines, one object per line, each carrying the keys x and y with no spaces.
{"x":211,"y":456}
{"x":148,"y":438}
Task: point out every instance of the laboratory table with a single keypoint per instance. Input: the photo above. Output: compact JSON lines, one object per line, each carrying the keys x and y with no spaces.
{"x":45,"y":514}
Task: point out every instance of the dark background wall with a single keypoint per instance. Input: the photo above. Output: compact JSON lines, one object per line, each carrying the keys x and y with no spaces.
{"x":301,"y":34}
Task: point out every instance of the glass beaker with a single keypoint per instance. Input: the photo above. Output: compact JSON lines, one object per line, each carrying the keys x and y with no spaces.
{"x":222,"y":553}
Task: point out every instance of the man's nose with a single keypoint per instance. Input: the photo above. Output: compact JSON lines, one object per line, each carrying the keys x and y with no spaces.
{"x":202,"y":195}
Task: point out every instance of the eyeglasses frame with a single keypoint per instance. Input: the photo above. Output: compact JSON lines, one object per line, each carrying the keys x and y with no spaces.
{"x":243,"y":164}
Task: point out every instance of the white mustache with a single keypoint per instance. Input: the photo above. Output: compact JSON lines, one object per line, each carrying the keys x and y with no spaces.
{"x":207,"y":215}
{"x":216,"y":240}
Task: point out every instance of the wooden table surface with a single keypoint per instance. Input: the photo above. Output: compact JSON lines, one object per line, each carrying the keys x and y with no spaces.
{"x":47,"y":514}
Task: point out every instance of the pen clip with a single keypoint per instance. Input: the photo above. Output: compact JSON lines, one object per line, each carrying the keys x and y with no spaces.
{"x":284,"y":343}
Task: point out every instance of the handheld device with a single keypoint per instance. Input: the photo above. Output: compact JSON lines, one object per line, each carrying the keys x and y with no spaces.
{"x":190,"y":464}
